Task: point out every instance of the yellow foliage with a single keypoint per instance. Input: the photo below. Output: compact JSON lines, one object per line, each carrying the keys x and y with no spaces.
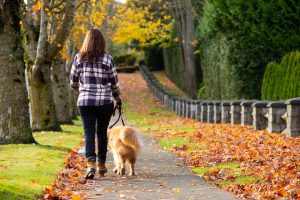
{"x":136,"y":24}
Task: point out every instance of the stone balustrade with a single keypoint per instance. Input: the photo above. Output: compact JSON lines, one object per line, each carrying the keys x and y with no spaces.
{"x":274,"y":116}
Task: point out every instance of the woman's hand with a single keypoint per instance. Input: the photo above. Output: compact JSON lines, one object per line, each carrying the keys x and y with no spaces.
{"x":119,"y":103}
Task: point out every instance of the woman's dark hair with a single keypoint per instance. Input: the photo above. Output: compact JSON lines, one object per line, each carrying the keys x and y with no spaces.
{"x":93,"y":46}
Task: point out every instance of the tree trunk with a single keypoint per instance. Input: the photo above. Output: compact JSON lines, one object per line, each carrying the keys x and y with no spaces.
{"x":14,"y":110}
{"x":188,"y":50}
{"x":185,"y":24}
{"x":41,"y":101}
{"x":72,"y":95}
{"x":60,"y":94}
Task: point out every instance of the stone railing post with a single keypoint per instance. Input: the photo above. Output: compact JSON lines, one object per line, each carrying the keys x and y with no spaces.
{"x":225,"y":112}
{"x":210,"y":112}
{"x":188,"y":112}
{"x":276,"y":115}
{"x":194,"y":109}
{"x":177,"y":105}
{"x":260,"y":114}
{"x":198,"y":110}
{"x":246,"y":112}
{"x":203,"y":115}
{"x":182,"y":106}
{"x":235,"y":112}
{"x":217,"y":112}
{"x":173,"y":103}
{"x":165,"y":99}
{"x":293,"y":117}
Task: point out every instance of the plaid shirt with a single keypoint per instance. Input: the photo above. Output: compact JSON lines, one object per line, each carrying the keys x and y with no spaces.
{"x":97,"y":83}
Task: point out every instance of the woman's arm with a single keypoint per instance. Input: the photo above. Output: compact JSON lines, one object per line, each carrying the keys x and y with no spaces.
{"x":74,"y":75}
{"x":113,"y":79}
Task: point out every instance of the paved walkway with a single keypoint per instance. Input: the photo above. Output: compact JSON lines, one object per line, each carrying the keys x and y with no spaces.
{"x":161,"y":175}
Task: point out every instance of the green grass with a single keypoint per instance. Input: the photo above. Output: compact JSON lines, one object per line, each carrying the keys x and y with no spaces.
{"x":144,"y":120}
{"x":25,"y":169}
{"x":176,"y":142}
{"x":234,"y":167}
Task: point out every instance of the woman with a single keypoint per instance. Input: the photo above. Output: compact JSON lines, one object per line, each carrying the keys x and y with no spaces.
{"x":94,"y":76}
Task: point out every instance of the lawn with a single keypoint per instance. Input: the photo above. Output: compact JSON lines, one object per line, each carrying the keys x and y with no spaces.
{"x":25,"y":169}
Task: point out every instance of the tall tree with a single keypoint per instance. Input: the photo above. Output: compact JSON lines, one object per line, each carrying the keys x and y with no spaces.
{"x":14,"y":110}
{"x":184,"y":15}
{"x":60,"y":85}
{"x":49,"y":44}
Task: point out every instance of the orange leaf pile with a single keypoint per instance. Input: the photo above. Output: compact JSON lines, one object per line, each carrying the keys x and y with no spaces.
{"x":66,"y":182}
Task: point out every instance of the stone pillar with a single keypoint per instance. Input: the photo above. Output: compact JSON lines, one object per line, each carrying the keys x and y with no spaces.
{"x":225,"y":112}
{"x":217,"y":112}
{"x":210,"y":112}
{"x":198,"y":110}
{"x":187,"y":108}
{"x":246,"y":112}
{"x":177,"y":105}
{"x":276,"y":121}
{"x":293,"y":117}
{"x":235,"y":112}
{"x":173,"y":103}
{"x":165,"y":99}
{"x":203,"y":115}
{"x":181,"y":106}
{"x":194,"y":109}
{"x":260,"y":114}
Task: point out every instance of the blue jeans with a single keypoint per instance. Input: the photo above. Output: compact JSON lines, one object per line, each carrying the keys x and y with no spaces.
{"x":96,"y":120}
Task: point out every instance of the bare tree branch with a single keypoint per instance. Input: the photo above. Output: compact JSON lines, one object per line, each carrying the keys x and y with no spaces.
{"x":42,"y":44}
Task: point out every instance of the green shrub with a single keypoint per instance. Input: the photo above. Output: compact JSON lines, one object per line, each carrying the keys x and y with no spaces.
{"x":202,"y":91}
{"x":282,"y":80}
{"x":127,"y":69}
{"x":239,"y":38}
{"x":154,"y":57}
{"x":125,"y":60}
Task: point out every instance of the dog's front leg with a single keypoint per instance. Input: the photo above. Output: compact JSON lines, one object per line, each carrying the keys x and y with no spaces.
{"x":116,"y":161}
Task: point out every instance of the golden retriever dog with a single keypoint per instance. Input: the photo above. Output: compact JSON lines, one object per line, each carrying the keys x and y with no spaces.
{"x":124,"y":144}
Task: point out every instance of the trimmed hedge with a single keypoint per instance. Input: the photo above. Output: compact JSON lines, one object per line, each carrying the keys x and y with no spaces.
{"x":282,"y":80}
{"x":125,"y":60}
{"x":239,"y":38}
{"x":154,"y":57}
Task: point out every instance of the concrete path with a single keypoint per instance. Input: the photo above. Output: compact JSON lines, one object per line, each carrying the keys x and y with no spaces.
{"x":161,"y":175}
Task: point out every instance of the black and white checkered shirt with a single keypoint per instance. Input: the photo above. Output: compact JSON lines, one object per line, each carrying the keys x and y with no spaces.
{"x":97,"y":82}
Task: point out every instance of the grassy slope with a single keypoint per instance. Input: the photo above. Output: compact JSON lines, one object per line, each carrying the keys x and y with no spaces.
{"x":25,"y":169}
{"x":169,"y":85}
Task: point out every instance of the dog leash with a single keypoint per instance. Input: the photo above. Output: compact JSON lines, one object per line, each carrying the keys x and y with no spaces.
{"x":120,"y":116}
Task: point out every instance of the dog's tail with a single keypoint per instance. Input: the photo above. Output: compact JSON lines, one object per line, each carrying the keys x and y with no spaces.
{"x":129,"y":137}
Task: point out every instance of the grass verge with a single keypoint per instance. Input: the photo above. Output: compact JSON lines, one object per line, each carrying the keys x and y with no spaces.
{"x":25,"y":169}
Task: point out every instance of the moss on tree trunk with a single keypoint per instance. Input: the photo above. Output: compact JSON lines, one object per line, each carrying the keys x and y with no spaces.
{"x":41,"y":101}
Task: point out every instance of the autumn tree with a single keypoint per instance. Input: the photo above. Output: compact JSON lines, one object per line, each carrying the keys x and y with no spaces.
{"x":144,"y":23}
{"x":14,"y":110}
{"x":50,"y":40}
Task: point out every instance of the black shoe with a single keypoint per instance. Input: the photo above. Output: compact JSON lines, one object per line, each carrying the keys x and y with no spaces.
{"x":90,"y":173}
